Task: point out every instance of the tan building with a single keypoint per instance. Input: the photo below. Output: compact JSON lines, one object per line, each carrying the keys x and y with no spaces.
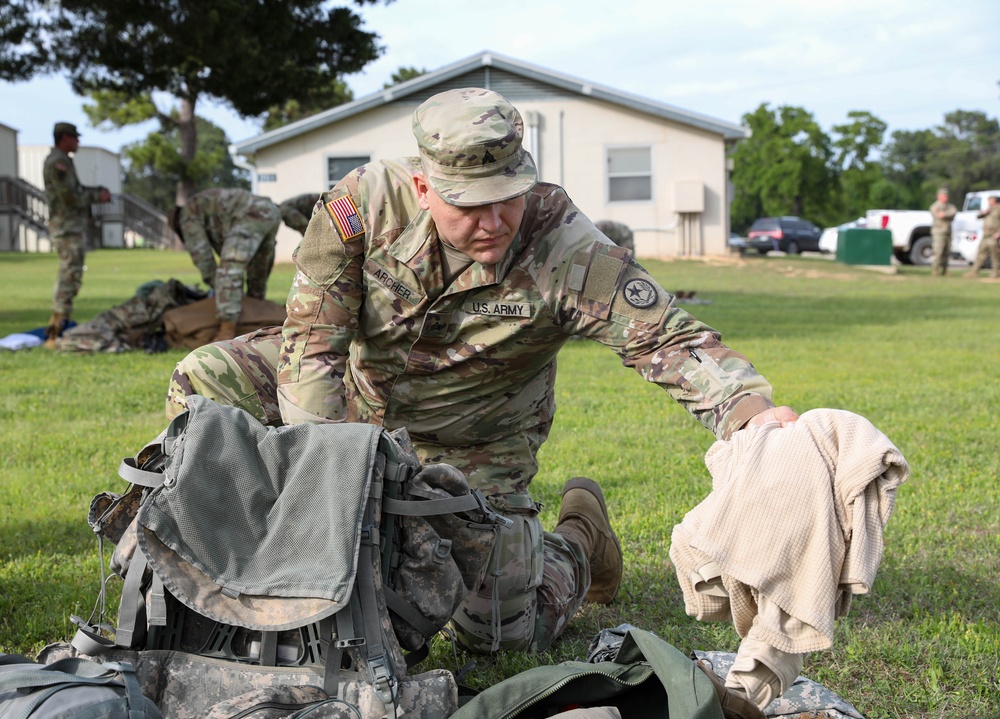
{"x":655,"y":167}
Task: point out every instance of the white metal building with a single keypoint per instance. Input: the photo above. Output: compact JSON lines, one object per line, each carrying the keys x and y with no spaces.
{"x":658,"y":168}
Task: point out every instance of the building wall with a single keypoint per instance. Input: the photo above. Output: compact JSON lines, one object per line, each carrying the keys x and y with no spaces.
{"x":94,"y":166}
{"x":573,"y":137}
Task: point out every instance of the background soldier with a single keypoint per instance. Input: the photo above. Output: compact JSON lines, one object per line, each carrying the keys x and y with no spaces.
{"x":617,"y":232}
{"x":989,"y":245}
{"x":942,"y":215}
{"x":69,"y":213}
{"x":297,"y":211}
{"x":240,"y":228}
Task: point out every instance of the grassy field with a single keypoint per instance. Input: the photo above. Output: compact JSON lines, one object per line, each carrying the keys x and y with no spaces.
{"x":917,"y":356}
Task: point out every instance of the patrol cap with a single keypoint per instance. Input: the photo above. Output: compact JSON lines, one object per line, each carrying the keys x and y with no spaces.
{"x":942,"y":191}
{"x":470,"y":147}
{"x":65,"y":128}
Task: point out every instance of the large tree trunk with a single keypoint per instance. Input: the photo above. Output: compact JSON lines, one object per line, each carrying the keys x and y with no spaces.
{"x":189,"y":141}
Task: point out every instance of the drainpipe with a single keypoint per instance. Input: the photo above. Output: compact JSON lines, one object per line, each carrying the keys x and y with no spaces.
{"x":534,"y":122}
{"x":243,"y":164}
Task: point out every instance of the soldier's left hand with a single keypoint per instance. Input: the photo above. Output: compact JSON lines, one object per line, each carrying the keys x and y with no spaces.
{"x":786,"y":416}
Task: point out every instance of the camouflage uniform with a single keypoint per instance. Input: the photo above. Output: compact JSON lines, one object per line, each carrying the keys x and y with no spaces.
{"x":941,"y":234}
{"x":989,"y":245}
{"x":240,"y":228}
{"x":374,"y":335}
{"x":296,"y":211}
{"x":69,"y":213}
{"x":617,"y":232}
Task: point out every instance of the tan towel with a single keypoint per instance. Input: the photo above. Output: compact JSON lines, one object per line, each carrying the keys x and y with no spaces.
{"x":796,"y":514}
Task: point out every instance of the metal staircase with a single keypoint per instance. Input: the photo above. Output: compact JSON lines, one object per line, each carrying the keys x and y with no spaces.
{"x":24,"y":215}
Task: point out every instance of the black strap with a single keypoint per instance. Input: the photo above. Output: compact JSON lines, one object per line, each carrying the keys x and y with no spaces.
{"x":405,"y":611}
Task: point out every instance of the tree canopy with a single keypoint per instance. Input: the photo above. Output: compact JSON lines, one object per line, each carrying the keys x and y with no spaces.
{"x":791,"y":166}
{"x":253,"y":56}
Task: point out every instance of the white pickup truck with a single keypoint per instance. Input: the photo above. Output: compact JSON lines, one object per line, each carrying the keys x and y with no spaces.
{"x":911,"y":230}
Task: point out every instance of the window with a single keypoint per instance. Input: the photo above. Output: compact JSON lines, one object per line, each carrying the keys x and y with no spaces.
{"x":630,"y":174}
{"x":338,"y":167}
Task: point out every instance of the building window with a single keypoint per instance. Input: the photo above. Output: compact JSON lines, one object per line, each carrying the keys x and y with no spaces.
{"x":338,"y":167}
{"x":630,"y":174}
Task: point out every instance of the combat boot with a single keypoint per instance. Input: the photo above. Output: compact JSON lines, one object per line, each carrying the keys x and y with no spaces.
{"x":583,"y":517}
{"x":54,"y":329}
{"x":227,"y":331}
{"x":734,"y":702}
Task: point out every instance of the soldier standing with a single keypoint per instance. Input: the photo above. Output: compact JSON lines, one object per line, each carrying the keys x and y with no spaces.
{"x":297,"y":211}
{"x":240,"y":228}
{"x":989,"y":245}
{"x":434,"y":293}
{"x":942,"y":215}
{"x":69,"y":212}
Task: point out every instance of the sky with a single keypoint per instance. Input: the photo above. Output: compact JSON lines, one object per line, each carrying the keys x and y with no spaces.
{"x":906,"y":61}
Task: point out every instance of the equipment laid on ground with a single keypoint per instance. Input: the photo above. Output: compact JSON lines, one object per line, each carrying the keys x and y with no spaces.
{"x":258,"y":559}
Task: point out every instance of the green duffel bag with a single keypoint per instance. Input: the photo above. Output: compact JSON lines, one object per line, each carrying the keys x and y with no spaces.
{"x":648,"y":678}
{"x":71,"y":687}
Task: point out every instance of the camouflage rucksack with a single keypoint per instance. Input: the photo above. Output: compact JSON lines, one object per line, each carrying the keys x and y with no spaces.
{"x":262,"y":559}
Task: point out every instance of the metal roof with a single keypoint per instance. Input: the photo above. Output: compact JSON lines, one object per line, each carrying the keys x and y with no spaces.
{"x":419,"y":85}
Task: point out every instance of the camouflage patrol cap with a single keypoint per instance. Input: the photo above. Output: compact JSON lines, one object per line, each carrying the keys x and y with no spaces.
{"x":942,"y":191}
{"x":470,"y":147}
{"x":65,"y":128}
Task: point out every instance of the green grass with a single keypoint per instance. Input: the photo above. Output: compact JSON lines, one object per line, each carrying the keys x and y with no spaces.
{"x":917,"y":356}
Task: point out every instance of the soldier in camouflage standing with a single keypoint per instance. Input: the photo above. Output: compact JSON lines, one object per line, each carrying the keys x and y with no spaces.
{"x":989,"y":245}
{"x":297,"y":211}
{"x":434,"y":293}
{"x":69,"y":212}
{"x":942,"y":215}
{"x":240,"y":228}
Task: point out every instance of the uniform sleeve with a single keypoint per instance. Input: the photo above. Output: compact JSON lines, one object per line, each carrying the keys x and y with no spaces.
{"x":197,"y":244}
{"x":950,"y":211}
{"x":609,"y":298}
{"x":322,"y":317}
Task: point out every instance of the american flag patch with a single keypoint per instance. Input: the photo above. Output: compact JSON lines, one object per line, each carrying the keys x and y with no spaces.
{"x":345,"y":216}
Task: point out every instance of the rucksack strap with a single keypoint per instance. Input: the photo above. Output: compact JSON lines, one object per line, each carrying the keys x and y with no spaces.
{"x":133,"y":474}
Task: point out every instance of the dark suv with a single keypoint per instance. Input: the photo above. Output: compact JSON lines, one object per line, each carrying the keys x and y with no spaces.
{"x":788,"y":234}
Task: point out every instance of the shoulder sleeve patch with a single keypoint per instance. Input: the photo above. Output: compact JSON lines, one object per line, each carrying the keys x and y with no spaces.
{"x":639,"y":297}
{"x":346,"y":217}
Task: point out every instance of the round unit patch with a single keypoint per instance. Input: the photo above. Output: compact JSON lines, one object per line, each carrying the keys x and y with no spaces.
{"x":639,"y":293}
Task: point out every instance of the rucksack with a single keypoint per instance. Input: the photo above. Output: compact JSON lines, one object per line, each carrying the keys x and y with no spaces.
{"x":259,"y":557}
{"x":71,"y":688}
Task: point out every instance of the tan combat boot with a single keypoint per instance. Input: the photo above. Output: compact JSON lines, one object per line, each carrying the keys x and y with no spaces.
{"x":583,"y":517}
{"x":227,"y":331}
{"x":54,"y":329}
{"x":734,"y":702}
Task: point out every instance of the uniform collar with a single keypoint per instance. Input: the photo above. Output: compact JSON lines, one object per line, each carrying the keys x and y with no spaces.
{"x":418,"y":246}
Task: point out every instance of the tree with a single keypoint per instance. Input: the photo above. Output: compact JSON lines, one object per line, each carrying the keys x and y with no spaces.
{"x":19,"y":48}
{"x":251,"y":55}
{"x":783,"y":168}
{"x":402,"y":75}
{"x":964,"y":153}
{"x":308,"y":102}
{"x":153,"y":166}
{"x":856,"y":145}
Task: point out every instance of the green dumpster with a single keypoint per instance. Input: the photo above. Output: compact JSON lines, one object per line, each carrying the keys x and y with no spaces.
{"x":864,"y":247}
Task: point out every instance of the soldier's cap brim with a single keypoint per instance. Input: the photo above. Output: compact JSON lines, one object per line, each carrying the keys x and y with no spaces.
{"x":481,"y":185}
